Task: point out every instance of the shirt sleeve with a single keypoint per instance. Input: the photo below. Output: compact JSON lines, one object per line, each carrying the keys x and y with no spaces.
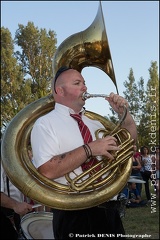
{"x":44,"y":144}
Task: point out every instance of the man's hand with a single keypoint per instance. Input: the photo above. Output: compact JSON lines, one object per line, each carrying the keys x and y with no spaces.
{"x":117,"y":102}
{"x":103,"y":146}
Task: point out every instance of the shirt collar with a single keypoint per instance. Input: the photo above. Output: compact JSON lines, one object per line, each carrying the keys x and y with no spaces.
{"x":66,"y":110}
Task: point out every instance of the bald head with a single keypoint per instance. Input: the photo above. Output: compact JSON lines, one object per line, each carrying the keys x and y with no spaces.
{"x":61,"y":77}
{"x":58,"y":73}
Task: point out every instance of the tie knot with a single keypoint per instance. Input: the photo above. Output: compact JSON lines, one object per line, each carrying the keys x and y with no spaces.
{"x":77,"y":117}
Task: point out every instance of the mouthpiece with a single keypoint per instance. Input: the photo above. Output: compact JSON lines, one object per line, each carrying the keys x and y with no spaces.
{"x":88,"y":95}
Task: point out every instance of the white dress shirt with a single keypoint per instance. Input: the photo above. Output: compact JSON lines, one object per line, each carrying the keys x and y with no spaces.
{"x":56,"y":133}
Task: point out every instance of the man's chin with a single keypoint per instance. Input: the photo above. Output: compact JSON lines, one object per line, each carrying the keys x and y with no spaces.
{"x":82,"y":103}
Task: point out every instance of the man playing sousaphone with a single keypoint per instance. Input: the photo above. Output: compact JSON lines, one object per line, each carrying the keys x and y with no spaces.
{"x":61,"y":143}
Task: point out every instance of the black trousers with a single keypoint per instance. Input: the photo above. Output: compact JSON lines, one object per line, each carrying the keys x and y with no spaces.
{"x":146,"y":177}
{"x":88,"y":223}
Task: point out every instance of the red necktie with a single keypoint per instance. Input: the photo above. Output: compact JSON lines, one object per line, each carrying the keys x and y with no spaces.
{"x":87,"y":138}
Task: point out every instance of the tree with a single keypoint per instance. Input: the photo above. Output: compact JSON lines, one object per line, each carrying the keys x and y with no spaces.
{"x":141,"y":112}
{"x":11,"y":79}
{"x":144,"y":107}
{"x":36,"y":55}
{"x":131,"y":95}
{"x":152,"y":106}
{"x":25,"y":74}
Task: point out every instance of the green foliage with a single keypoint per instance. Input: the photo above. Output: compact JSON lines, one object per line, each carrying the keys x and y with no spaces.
{"x":36,"y":55}
{"x":143,"y":101}
{"x":25,"y":74}
{"x":143,"y":106}
{"x":11,"y":79}
{"x":131,"y":94}
{"x":152,"y":105}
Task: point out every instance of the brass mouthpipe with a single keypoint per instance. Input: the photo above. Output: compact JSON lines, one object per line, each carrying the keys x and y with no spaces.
{"x":88,"y":95}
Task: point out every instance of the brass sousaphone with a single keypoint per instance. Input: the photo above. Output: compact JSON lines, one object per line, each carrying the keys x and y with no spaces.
{"x":87,"y":48}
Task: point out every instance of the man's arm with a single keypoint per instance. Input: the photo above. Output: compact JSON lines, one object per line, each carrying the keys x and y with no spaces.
{"x":20,"y":208}
{"x":130,"y":125}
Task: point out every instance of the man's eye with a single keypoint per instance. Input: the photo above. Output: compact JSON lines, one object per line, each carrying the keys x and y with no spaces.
{"x":77,"y":83}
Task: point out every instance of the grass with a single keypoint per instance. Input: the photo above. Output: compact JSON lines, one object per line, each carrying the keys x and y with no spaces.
{"x":143,"y":221}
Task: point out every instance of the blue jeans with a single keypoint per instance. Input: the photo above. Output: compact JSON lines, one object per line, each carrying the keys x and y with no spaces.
{"x":138,"y":185}
{"x":140,"y":204}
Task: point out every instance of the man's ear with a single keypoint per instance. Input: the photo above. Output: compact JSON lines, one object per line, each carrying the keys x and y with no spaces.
{"x":60,"y":91}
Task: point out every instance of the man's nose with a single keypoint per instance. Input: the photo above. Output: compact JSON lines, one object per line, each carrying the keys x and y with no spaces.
{"x":84,"y":88}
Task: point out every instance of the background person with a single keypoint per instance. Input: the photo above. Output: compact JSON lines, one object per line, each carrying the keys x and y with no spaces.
{"x":156,"y":164}
{"x":13,"y":208}
{"x":58,"y":148}
{"x":136,"y":153}
{"x":136,"y":166}
{"x":146,"y":169}
{"x":133,"y":197}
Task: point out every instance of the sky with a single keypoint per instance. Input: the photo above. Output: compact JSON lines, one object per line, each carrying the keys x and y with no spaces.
{"x":132,"y":29}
